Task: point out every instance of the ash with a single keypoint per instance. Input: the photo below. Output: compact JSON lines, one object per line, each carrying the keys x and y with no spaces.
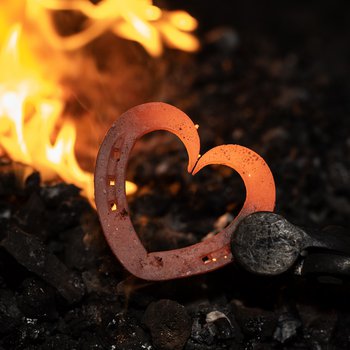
{"x":271,"y":76}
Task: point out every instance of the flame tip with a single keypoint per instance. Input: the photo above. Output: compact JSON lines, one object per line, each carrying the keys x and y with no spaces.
{"x":25,"y":136}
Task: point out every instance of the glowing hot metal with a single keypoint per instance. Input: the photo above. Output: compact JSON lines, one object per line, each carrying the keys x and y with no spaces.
{"x":113,"y":209}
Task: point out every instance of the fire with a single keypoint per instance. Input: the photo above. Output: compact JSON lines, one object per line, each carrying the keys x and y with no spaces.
{"x":137,"y":20}
{"x":31,"y":128}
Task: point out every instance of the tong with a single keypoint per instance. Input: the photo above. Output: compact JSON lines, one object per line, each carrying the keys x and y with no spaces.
{"x":265,"y":243}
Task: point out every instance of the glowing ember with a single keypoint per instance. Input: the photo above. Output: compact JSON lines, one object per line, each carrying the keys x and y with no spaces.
{"x":137,"y":20}
{"x":30,"y":109}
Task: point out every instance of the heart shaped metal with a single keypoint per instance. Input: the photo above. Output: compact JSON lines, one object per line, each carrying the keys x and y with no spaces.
{"x":112,"y":204}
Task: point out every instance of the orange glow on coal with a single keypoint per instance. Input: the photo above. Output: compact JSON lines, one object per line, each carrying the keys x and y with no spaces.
{"x":31,"y":128}
{"x":137,"y":20}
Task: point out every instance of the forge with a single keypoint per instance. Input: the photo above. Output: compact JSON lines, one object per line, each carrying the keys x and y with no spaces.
{"x":271,"y":77}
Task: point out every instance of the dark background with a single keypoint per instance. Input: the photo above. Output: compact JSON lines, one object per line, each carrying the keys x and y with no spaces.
{"x":272,"y":76}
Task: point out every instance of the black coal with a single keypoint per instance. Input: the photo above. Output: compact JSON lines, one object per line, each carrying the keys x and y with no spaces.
{"x":273,"y":77}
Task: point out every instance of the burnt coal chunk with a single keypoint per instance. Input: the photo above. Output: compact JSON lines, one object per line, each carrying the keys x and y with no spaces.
{"x":214,"y":327}
{"x":60,"y":341}
{"x":32,"y":183}
{"x":81,"y":321}
{"x":220,"y":325}
{"x":88,"y":323}
{"x":64,"y":206}
{"x":12,"y":273}
{"x":169,"y":324}
{"x":56,"y":194}
{"x":76,"y":254}
{"x":320,"y":324}
{"x":124,"y":332}
{"x":10,"y":315}
{"x":31,"y":216}
{"x":83,"y":250}
{"x":9,"y":184}
{"x":37,"y":299}
{"x":31,"y":253}
{"x":30,"y":334}
{"x":256,"y":323}
{"x":341,"y":337}
{"x":288,"y":327}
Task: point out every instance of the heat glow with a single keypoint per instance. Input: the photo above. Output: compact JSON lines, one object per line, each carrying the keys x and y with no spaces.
{"x":32,"y":130}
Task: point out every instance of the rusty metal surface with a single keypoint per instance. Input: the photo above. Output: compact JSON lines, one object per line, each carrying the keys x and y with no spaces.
{"x":112,"y":204}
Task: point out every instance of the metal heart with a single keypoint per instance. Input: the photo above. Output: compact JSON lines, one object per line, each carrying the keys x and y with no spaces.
{"x":112,"y":204}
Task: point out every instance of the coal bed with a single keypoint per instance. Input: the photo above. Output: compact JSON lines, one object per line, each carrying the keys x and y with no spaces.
{"x":270,"y":76}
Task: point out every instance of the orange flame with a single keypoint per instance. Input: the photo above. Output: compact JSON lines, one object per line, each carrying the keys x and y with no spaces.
{"x":30,"y":108}
{"x":137,"y":20}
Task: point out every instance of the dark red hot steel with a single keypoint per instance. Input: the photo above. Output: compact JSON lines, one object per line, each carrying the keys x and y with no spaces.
{"x":112,"y":204}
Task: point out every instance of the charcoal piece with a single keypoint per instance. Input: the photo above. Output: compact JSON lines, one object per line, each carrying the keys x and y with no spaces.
{"x":92,"y":282}
{"x":29,"y":334}
{"x":31,"y":217}
{"x":98,"y":311}
{"x":127,"y":333}
{"x":220,"y":325}
{"x":32,"y":183}
{"x":319,"y":324}
{"x":91,"y":317}
{"x":34,"y":256}
{"x":83,"y":250}
{"x":213,"y":328}
{"x":340,"y":336}
{"x":60,"y":341}
{"x":214,"y":325}
{"x":8,"y":183}
{"x":37,"y":299}
{"x":12,"y":273}
{"x":255,"y":323}
{"x":64,"y":217}
{"x":76,"y":323}
{"x":287,"y":327}
{"x":13,"y":178}
{"x":319,"y":333}
{"x":55,"y":195}
{"x":92,"y":341}
{"x":102,"y":279}
{"x":64,"y":207}
{"x":76,"y":253}
{"x":10,"y":315}
{"x":201,"y":334}
{"x":169,"y":324}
